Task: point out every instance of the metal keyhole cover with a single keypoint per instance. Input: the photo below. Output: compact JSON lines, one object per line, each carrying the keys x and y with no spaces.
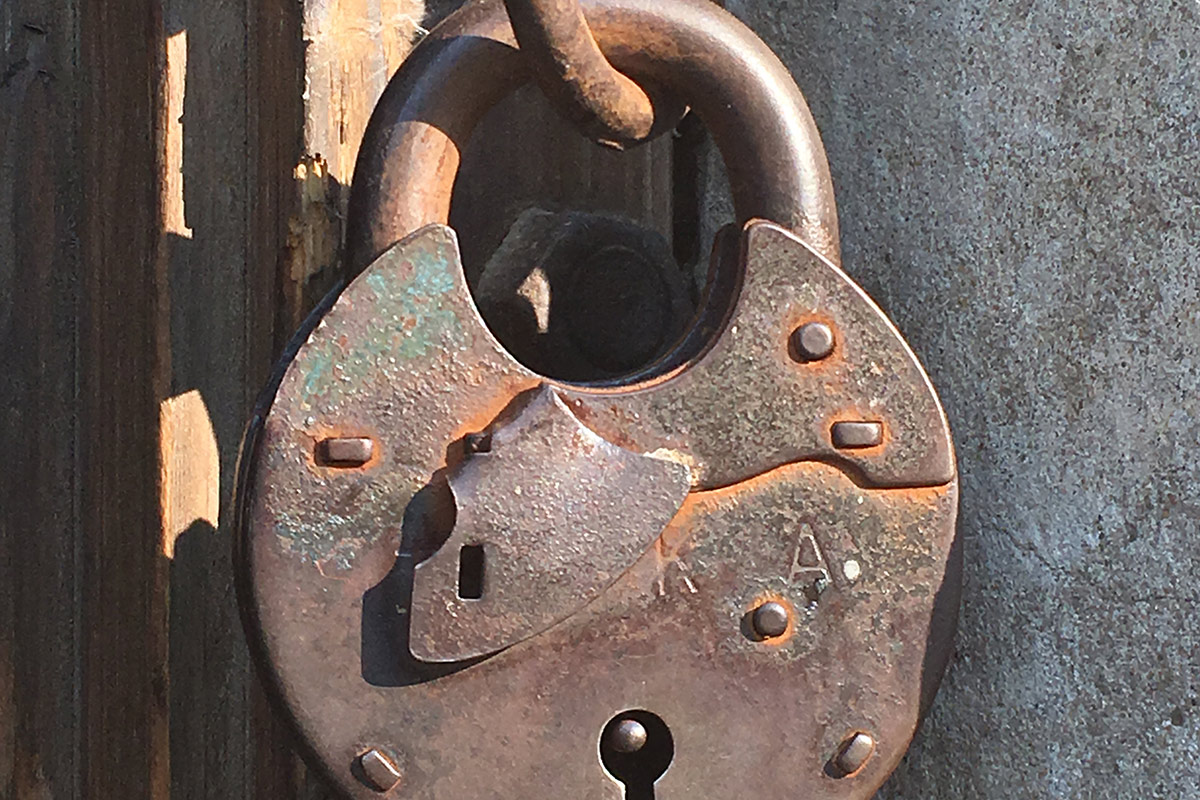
{"x":754,"y":541}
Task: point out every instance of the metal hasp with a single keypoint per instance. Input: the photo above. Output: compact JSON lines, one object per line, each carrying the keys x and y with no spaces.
{"x":559,"y":514}
{"x":731,"y":573}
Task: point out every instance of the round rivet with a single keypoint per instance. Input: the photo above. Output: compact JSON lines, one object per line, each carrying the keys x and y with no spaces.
{"x":627,"y":736}
{"x":852,"y":570}
{"x":812,"y":341}
{"x":770,"y":619}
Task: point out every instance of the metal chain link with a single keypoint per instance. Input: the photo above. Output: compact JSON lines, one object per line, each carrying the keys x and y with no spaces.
{"x":575,"y":75}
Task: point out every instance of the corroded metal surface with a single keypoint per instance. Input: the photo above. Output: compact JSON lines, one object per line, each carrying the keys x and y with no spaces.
{"x":405,"y":352}
{"x":568,"y":65}
{"x":745,"y":406}
{"x":328,"y":554}
{"x":749,"y":718}
{"x":409,"y":159}
{"x":560,"y":513}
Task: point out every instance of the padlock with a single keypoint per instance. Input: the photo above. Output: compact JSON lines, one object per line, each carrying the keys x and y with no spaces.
{"x":730,"y":573}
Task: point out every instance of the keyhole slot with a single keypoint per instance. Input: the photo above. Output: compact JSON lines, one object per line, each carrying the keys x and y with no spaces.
{"x":471,"y":572}
{"x":637,"y":766}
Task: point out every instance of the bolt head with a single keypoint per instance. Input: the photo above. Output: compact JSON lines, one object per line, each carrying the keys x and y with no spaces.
{"x":812,"y":341}
{"x":627,"y":736}
{"x":479,"y":442}
{"x":770,"y":619}
{"x":378,"y":770}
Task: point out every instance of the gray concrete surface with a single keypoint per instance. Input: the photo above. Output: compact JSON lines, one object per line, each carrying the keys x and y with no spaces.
{"x":1019,"y":187}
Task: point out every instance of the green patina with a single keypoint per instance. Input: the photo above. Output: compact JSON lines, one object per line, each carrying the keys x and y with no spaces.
{"x":317,"y":366}
{"x":406,"y":307}
{"x":332,"y":540}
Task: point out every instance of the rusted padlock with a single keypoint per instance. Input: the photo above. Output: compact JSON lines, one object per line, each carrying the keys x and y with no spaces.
{"x":729,"y":574}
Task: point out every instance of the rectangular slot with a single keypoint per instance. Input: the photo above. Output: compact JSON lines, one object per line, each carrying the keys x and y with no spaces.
{"x":470,"y":572}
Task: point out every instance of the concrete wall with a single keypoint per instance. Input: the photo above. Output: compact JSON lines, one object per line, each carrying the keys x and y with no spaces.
{"x":1019,"y":187}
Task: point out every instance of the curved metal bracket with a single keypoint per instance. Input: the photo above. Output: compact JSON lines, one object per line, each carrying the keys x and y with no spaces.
{"x":694,"y":49}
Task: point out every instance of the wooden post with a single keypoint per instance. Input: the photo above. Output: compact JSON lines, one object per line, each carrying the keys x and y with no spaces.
{"x":41,"y":576}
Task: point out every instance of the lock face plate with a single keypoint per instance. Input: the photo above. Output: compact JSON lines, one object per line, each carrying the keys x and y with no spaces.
{"x":754,"y":547}
{"x":559,"y":514}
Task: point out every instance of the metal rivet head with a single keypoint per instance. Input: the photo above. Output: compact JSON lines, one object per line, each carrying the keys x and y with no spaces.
{"x":627,"y":736}
{"x":812,"y":341}
{"x":478,"y":442}
{"x":857,"y":435}
{"x":853,"y":754}
{"x":378,"y":771}
{"x":770,"y":620}
{"x":345,"y":451}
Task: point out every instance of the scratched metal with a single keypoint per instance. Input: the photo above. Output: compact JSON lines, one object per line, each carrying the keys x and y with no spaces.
{"x":560,"y":513}
{"x":749,"y":719}
{"x":860,"y":545}
{"x":746,"y":406}
{"x":396,"y":359}
{"x":327,"y":555}
{"x":404,"y":358}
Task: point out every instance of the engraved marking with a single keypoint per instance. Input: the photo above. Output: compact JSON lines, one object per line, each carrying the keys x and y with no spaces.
{"x":809,"y":566}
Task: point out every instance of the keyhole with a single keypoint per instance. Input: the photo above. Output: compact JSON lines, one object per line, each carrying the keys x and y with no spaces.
{"x":636,"y":747}
{"x":471,"y":571}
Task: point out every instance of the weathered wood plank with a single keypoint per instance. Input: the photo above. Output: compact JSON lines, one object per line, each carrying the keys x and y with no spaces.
{"x":260,"y":217}
{"x":352,"y":48}
{"x":238,"y":66}
{"x":122,"y":378}
{"x":274,"y":90}
{"x":207,"y":271}
{"x":39,"y":565}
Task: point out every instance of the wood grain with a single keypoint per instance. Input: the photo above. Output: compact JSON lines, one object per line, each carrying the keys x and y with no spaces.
{"x":122,"y":378}
{"x":40,"y":571}
{"x":240,"y":66}
{"x":274,"y":88}
{"x":352,"y":48}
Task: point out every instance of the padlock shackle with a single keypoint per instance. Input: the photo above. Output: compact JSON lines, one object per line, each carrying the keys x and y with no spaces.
{"x":406,"y":168}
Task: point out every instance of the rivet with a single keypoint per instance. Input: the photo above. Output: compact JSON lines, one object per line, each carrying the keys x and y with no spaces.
{"x":478,"y":442}
{"x":812,"y":341}
{"x":852,"y":570}
{"x":627,"y":736}
{"x":378,"y":771}
{"x":856,"y":435}
{"x":770,"y":619}
{"x":853,"y":754}
{"x":345,"y":451}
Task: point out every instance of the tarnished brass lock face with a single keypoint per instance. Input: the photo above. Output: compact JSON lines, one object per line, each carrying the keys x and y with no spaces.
{"x":732,"y":574}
